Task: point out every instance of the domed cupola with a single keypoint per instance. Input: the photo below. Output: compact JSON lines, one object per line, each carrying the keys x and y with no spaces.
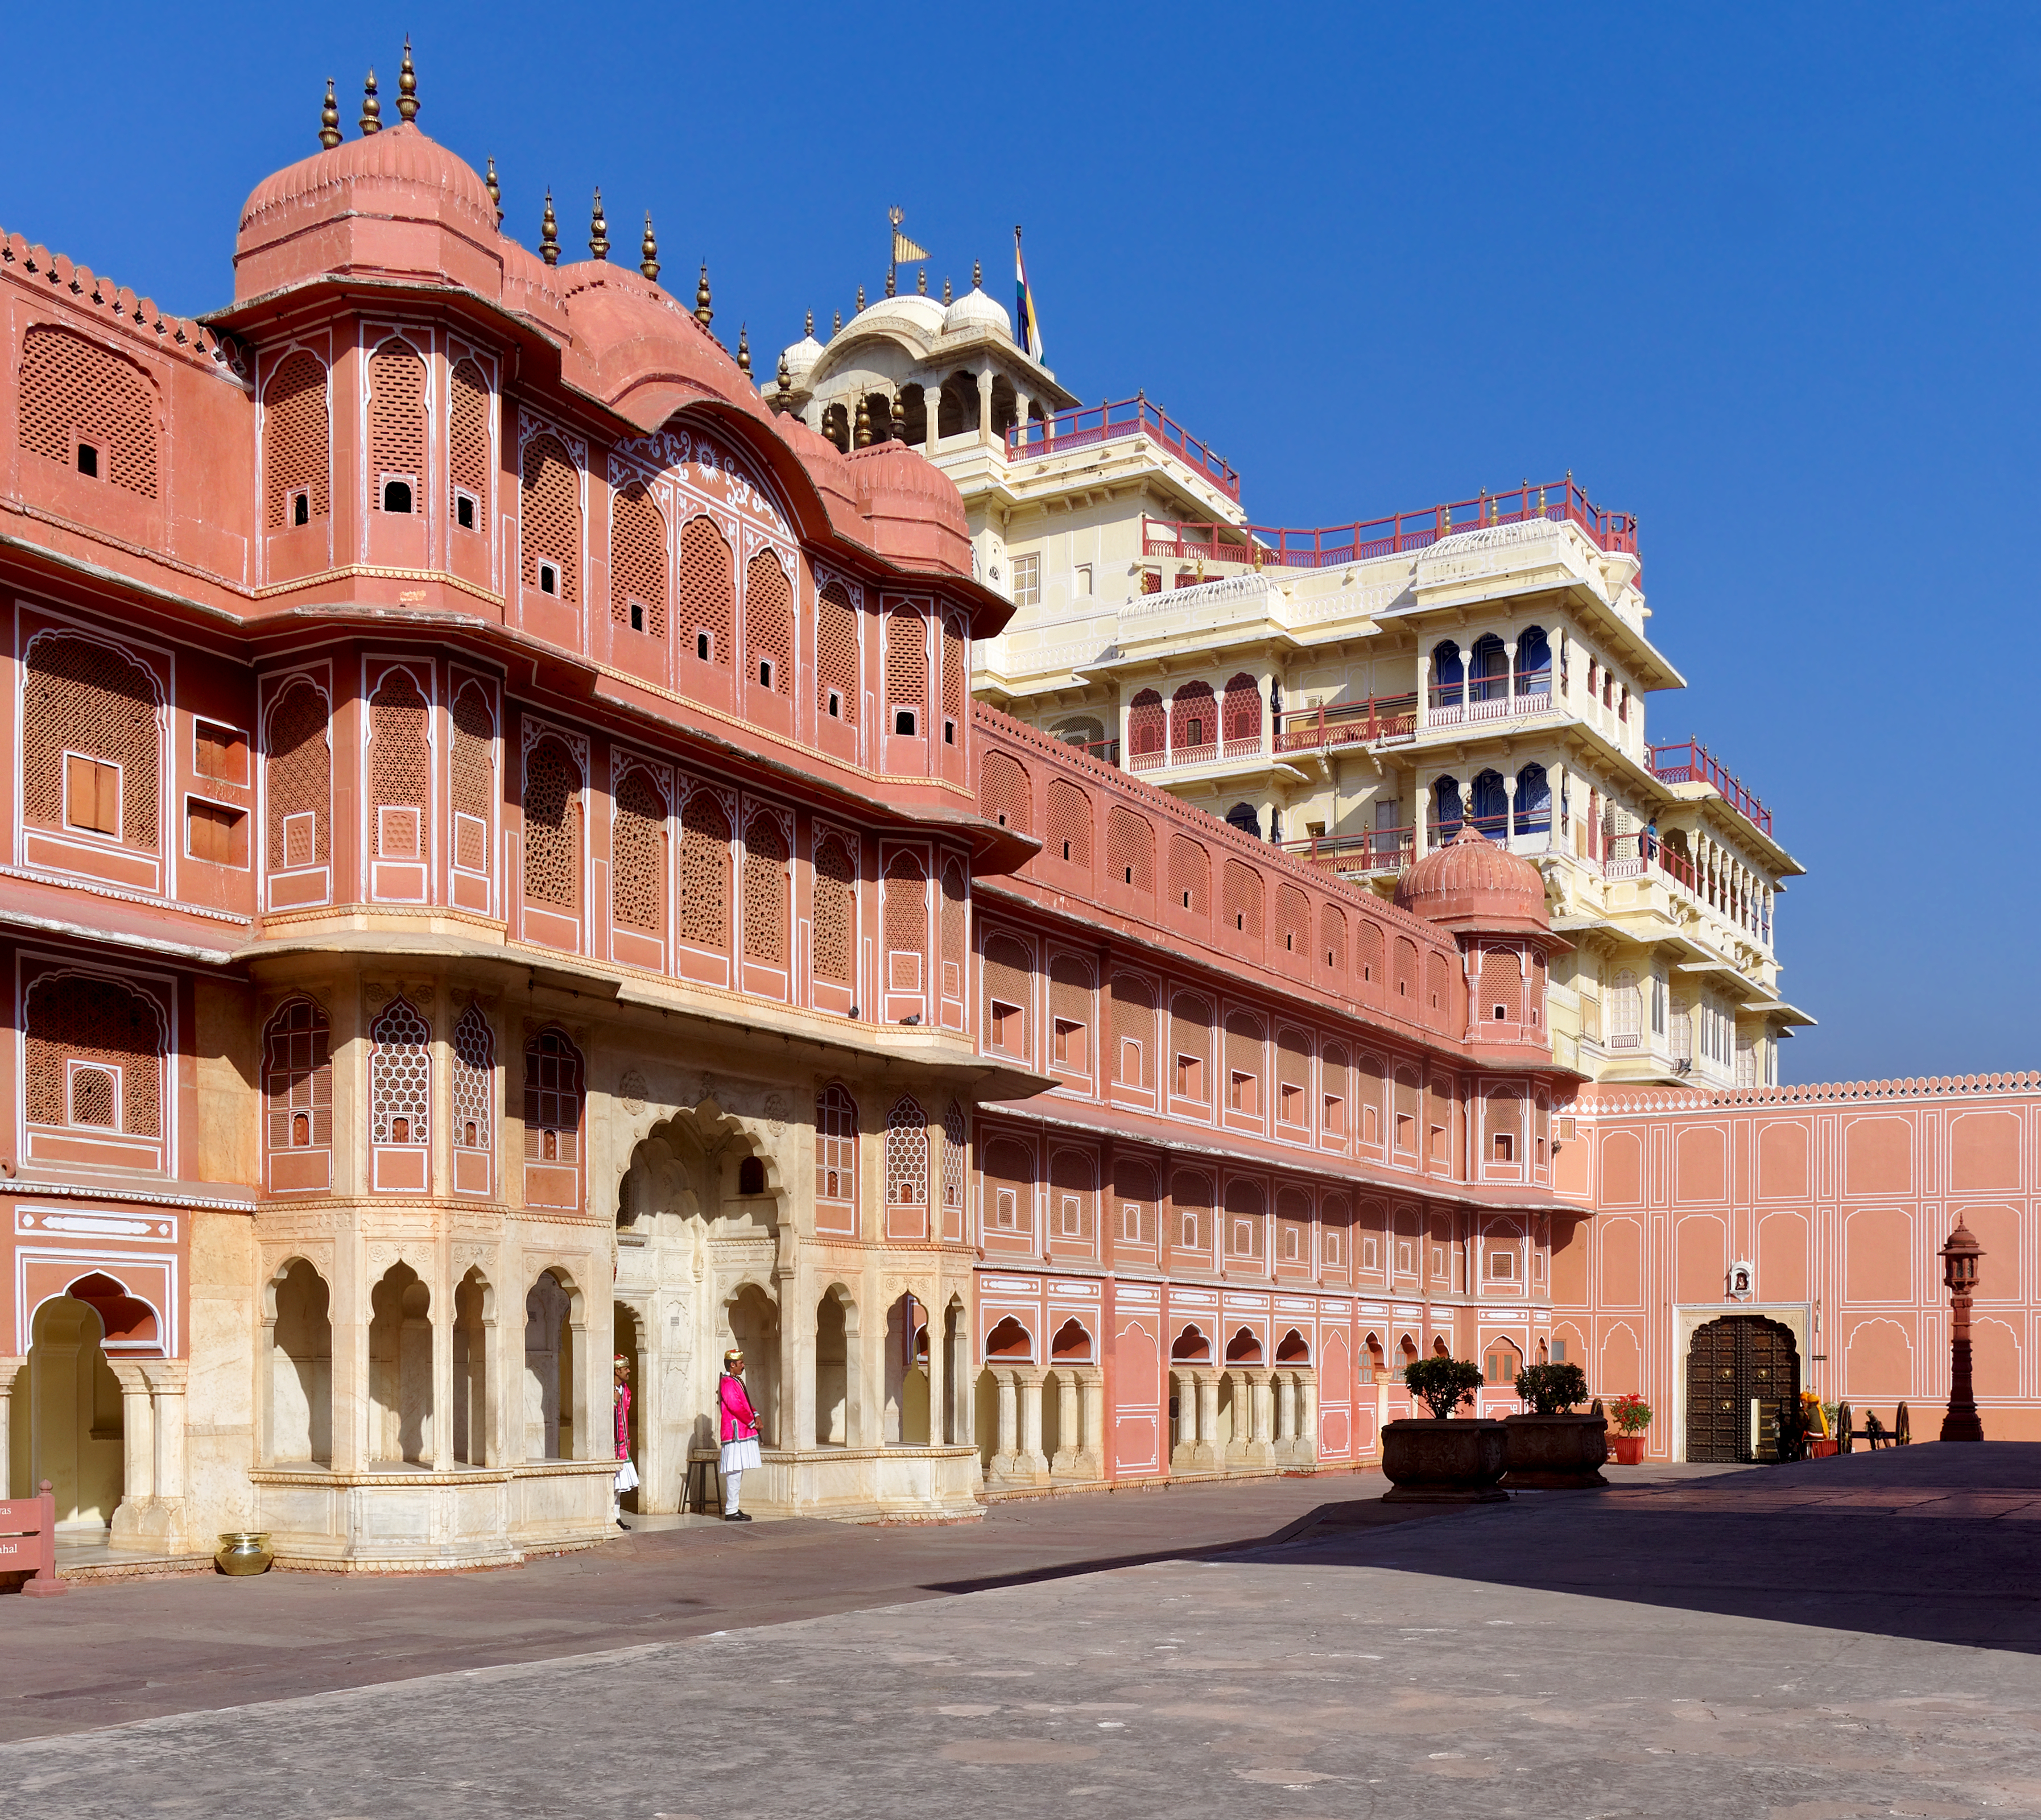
{"x":1472,"y":884}
{"x":974,"y":313}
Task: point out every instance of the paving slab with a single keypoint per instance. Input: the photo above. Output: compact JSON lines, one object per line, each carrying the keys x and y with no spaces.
{"x":1827,"y":1642}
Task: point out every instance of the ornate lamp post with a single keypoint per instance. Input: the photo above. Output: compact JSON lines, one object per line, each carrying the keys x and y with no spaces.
{"x":1959,"y":1271}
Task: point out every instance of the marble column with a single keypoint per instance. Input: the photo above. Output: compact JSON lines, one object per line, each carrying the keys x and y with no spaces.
{"x":1182,"y":1455}
{"x":1065,"y":1463}
{"x":1091,"y":1458}
{"x":133,"y":1522}
{"x":1030,"y":1464}
{"x":1205,"y":1453}
{"x":167,"y":1380}
{"x":1260,"y":1450}
{"x":1003,"y":1456}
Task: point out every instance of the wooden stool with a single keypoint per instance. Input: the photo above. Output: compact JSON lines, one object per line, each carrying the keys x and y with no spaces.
{"x":701,"y":1462}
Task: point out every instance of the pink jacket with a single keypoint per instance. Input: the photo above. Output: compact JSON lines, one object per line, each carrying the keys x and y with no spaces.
{"x":740,"y":1420}
{"x":622,"y":1422}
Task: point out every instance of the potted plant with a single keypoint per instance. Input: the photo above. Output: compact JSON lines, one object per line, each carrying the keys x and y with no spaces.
{"x":1632,"y":1416}
{"x":1442,"y":1461}
{"x":1550,"y":1448}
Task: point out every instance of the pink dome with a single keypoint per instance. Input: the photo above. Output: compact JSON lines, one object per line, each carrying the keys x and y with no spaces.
{"x":1470,"y":882}
{"x":914,"y":509}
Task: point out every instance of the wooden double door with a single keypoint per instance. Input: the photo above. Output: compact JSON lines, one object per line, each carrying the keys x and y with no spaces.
{"x":1742,"y":1370}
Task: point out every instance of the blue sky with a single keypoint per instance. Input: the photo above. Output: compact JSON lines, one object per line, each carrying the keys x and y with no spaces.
{"x":1764,"y":276}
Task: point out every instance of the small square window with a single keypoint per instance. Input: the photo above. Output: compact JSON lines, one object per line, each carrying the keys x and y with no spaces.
{"x":1335,"y":1117}
{"x":1005,"y":1027}
{"x":301,"y":508}
{"x":549,"y":579}
{"x":1189,"y":1078}
{"x":949,"y":733}
{"x":88,"y":461}
{"x":92,"y":795}
{"x":220,"y":752}
{"x":765,"y":673}
{"x":1069,"y":1043}
{"x":637,"y":617}
{"x":903,"y":721}
{"x":1501,"y":1013}
{"x":1506,"y":1147}
{"x":463,"y":510}
{"x":835,"y":705}
{"x":397,"y":497}
{"x":702,"y":648}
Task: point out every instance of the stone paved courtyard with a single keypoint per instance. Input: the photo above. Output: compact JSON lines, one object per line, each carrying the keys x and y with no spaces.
{"x":1837,"y":1640}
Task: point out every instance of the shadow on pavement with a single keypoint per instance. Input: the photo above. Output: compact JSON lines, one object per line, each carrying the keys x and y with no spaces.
{"x":1941,"y":1543}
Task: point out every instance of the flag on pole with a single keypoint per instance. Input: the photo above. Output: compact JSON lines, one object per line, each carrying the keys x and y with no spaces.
{"x":1028,"y":324}
{"x":905,"y":252}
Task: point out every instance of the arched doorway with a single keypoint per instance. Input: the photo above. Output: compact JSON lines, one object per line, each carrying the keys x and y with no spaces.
{"x":67,"y":1425}
{"x":1741,"y":1370}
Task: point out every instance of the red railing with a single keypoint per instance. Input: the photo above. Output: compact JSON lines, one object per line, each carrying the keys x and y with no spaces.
{"x":1263,"y":546}
{"x":1381,"y":717}
{"x":1691,"y":762}
{"x":1069,"y":429}
{"x":1356,"y":856}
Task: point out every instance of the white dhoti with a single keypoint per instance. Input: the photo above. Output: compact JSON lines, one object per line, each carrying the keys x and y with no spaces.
{"x":738,"y":1457}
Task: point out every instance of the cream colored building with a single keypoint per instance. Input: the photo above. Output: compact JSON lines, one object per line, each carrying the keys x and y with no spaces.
{"x":1351,"y":693}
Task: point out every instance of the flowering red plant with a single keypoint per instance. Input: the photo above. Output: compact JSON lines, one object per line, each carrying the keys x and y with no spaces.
{"x":1630,"y":1414}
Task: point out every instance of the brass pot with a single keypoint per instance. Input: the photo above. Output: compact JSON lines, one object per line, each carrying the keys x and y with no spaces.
{"x":244,"y":1551}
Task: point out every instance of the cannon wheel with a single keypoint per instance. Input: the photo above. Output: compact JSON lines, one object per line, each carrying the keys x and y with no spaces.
{"x":1846,"y":1442}
{"x":1902,"y":1428}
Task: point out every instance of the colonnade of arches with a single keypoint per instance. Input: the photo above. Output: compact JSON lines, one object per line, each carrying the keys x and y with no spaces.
{"x":1240,"y":1412}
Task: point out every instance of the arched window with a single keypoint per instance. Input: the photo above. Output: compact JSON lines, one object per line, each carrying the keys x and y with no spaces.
{"x":1446,"y":816}
{"x":1502,"y":1364}
{"x":1130,"y":849}
{"x":904,"y":918}
{"x":907,"y":1154}
{"x":1244,"y":1208}
{"x":836,"y":656}
{"x":473,"y":778}
{"x":638,"y":859}
{"x":835,"y":912}
{"x":1243,"y":899}
{"x":705,"y":876}
{"x":1491,"y":805}
{"x":956,"y":1143}
{"x":474,"y":1078}
{"x":1242,"y":714}
{"x":91,"y":746}
{"x":399,"y":768}
{"x":1191,"y":1190}
{"x":87,"y":409}
{"x":296,"y":443}
{"x":765,"y":891}
{"x":836,"y":1146}
{"x":1491,"y":668}
{"x":1246,"y":818}
{"x":1534,"y":662}
{"x":1534,"y":801}
{"x":956,"y":671}
{"x":955,"y":911}
{"x":1003,"y":792}
{"x":1147,"y":725}
{"x":297,"y":1078}
{"x":638,"y":563}
{"x":1448,"y":674}
{"x":396,"y":427}
{"x":300,"y":778}
{"x":1190,"y":876}
{"x":768,"y":625}
{"x":1193,"y":722}
{"x":707,"y":595}
{"x":553,"y":826}
{"x":906,"y":670}
{"x":552,"y":1099}
{"x":549,"y":501}
{"x":400,"y":1089}
{"x":468,"y":447}
{"x":1070,"y":824}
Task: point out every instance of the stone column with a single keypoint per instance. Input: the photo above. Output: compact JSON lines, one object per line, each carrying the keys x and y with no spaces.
{"x":167,"y":1380}
{"x":132,"y":1525}
{"x":10,"y":1369}
{"x":1509,"y":810}
{"x":1182,"y":1455}
{"x":1205,"y":1454}
{"x":1091,"y":1458}
{"x":1286,"y":1414}
{"x":1030,"y":1465}
{"x":1308,"y":1416}
{"x":1262,"y":1403}
{"x":1065,"y":1463}
{"x":439,"y":1440}
{"x":938,"y":1365}
{"x":347,"y":1305}
{"x":985,"y":405}
{"x":1424,"y":690}
{"x":1509,"y":659}
{"x":1003,"y":1457}
{"x":931,"y":408}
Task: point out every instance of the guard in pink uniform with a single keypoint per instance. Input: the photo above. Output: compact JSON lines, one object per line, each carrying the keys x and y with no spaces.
{"x":626,"y":1471}
{"x":740,"y":1433}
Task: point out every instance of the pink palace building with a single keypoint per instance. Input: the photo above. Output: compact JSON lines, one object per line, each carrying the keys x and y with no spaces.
{"x":505,"y":866}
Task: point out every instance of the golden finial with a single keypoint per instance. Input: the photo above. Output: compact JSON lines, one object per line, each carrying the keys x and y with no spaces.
{"x":372,"y":109}
{"x":977,"y":276}
{"x":836,"y":326}
{"x":921,"y":282}
{"x":890,"y":280}
{"x":648,"y":251}
{"x":408,"y":86}
{"x":946,"y":290}
{"x":783,"y":396}
{"x":862,"y":437}
{"x":495,"y":191}
{"x":860,"y":299}
{"x":598,"y":229}
{"x":703,"y":315}
{"x":809,"y":329}
{"x":549,"y":234}
{"x":744,"y":347}
{"x":330,"y":119}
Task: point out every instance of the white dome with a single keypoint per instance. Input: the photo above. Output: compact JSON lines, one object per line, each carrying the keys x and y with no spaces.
{"x":919,"y":317}
{"x":973,"y":310}
{"x":801,"y":358}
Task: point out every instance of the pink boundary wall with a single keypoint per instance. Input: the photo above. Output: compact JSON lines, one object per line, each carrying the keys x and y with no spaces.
{"x":1840,"y":1197}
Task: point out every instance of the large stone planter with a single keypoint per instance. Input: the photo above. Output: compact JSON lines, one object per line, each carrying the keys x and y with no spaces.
{"x":1455,"y":1462}
{"x":1555,"y":1453}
